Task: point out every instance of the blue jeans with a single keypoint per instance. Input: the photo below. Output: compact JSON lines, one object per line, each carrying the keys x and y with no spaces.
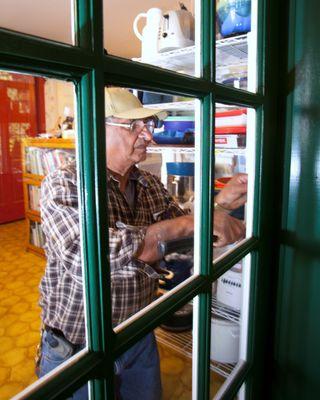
{"x":137,"y":371}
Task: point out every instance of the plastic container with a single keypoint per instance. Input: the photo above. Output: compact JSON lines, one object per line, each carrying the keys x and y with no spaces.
{"x":229,"y":289}
{"x":224,"y":340}
{"x":180,"y":168}
{"x":174,"y":137}
{"x":234,"y":17}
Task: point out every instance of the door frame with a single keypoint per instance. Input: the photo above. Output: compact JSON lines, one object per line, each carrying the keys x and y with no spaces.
{"x":90,"y":69}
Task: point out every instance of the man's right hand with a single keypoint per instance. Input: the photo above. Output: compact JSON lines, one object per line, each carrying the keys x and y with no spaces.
{"x":234,"y":194}
{"x":227,"y":229}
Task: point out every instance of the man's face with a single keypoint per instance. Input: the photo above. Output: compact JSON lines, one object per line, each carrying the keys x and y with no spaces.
{"x":125,"y":144}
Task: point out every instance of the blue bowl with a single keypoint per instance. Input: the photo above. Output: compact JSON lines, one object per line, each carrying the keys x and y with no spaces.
{"x":174,"y":137}
{"x":180,"y":168}
{"x":180,"y":123}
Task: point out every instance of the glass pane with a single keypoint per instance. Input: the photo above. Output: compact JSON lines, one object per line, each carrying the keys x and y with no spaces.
{"x":47,"y":19}
{"x":150,"y":159}
{"x":161,"y":362}
{"x":234,"y":175}
{"x":236,"y":35}
{"x":160,"y":33}
{"x":229,"y":322}
{"x":34,"y":114}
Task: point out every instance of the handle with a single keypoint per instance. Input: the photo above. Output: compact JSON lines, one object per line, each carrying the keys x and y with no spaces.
{"x":167,"y":275}
{"x":135,"y":25}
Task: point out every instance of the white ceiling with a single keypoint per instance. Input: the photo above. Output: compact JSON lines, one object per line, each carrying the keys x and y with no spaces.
{"x":52,"y":19}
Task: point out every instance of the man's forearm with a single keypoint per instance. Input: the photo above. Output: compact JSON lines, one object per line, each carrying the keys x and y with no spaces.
{"x":164,"y":230}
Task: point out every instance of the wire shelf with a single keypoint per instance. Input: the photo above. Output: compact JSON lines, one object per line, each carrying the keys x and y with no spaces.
{"x":174,"y":106}
{"x":182,"y":344}
{"x":174,"y":149}
{"x":229,"y":51}
{"x":184,"y":106}
{"x":224,"y":311}
{"x":180,"y":60}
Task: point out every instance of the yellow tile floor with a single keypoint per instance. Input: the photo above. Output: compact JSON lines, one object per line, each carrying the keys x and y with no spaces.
{"x":20,"y":274}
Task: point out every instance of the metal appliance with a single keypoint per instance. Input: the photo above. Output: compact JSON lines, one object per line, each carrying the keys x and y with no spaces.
{"x":180,"y":183}
{"x":177,"y":30}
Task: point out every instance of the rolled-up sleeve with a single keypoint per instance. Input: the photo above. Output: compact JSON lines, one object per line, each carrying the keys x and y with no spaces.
{"x":133,"y":282}
{"x":124,"y":243}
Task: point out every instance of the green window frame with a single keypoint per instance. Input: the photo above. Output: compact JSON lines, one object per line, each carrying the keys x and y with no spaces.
{"x":90,"y":68}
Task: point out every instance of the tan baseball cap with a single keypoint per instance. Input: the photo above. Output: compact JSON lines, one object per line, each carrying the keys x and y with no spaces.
{"x":121,"y":103}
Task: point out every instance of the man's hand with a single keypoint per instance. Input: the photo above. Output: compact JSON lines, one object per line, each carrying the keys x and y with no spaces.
{"x":227,"y":229}
{"x":234,"y":194}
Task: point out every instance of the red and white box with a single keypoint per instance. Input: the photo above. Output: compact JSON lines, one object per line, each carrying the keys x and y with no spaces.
{"x":230,"y":129}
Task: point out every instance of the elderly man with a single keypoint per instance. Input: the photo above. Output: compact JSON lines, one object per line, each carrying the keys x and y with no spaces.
{"x":140,"y":211}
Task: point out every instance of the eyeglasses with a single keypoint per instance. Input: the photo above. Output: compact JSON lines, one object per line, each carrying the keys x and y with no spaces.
{"x":137,"y":125}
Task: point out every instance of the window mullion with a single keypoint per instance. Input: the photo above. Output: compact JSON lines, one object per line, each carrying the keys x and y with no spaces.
{"x":92,"y":170}
{"x":202,"y":305}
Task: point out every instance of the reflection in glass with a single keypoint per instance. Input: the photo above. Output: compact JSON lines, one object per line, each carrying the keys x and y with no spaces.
{"x":45,"y":18}
{"x":229,"y":321}
{"x":32,"y":106}
{"x":236,"y":43}
{"x":160,"y":34}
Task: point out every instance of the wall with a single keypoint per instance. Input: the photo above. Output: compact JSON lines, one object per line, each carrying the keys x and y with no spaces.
{"x":44,"y":18}
{"x":58,"y":95}
{"x":297,"y":347}
{"x":119,"y":37}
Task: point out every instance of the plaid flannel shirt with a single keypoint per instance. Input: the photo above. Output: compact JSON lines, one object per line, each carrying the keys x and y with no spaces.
{"x":133,"y":282}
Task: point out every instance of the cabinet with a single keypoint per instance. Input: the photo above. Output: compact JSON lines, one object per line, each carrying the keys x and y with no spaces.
{"x":20,"y":97}
{"x":40,"y":157}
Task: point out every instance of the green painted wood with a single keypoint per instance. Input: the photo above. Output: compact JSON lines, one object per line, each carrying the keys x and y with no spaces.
{"x":64,"y":384}
{"x":297,"y":349}
{"x":98,"y":303}
{"x":268,"y":200}
{"x":91,"y":69}
{"x":125,"y":338}
{"x":206,"y":256}
{"x":228,"y":261}
{"x":92,"y":161}
{"x":233,"y":383}
{"x":36,"y":54}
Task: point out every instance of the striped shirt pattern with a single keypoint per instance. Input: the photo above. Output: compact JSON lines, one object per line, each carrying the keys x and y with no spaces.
{"x":133,"y":282}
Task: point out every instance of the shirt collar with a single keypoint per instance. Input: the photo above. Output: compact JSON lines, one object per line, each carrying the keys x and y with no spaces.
{"x":135,"y":175}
